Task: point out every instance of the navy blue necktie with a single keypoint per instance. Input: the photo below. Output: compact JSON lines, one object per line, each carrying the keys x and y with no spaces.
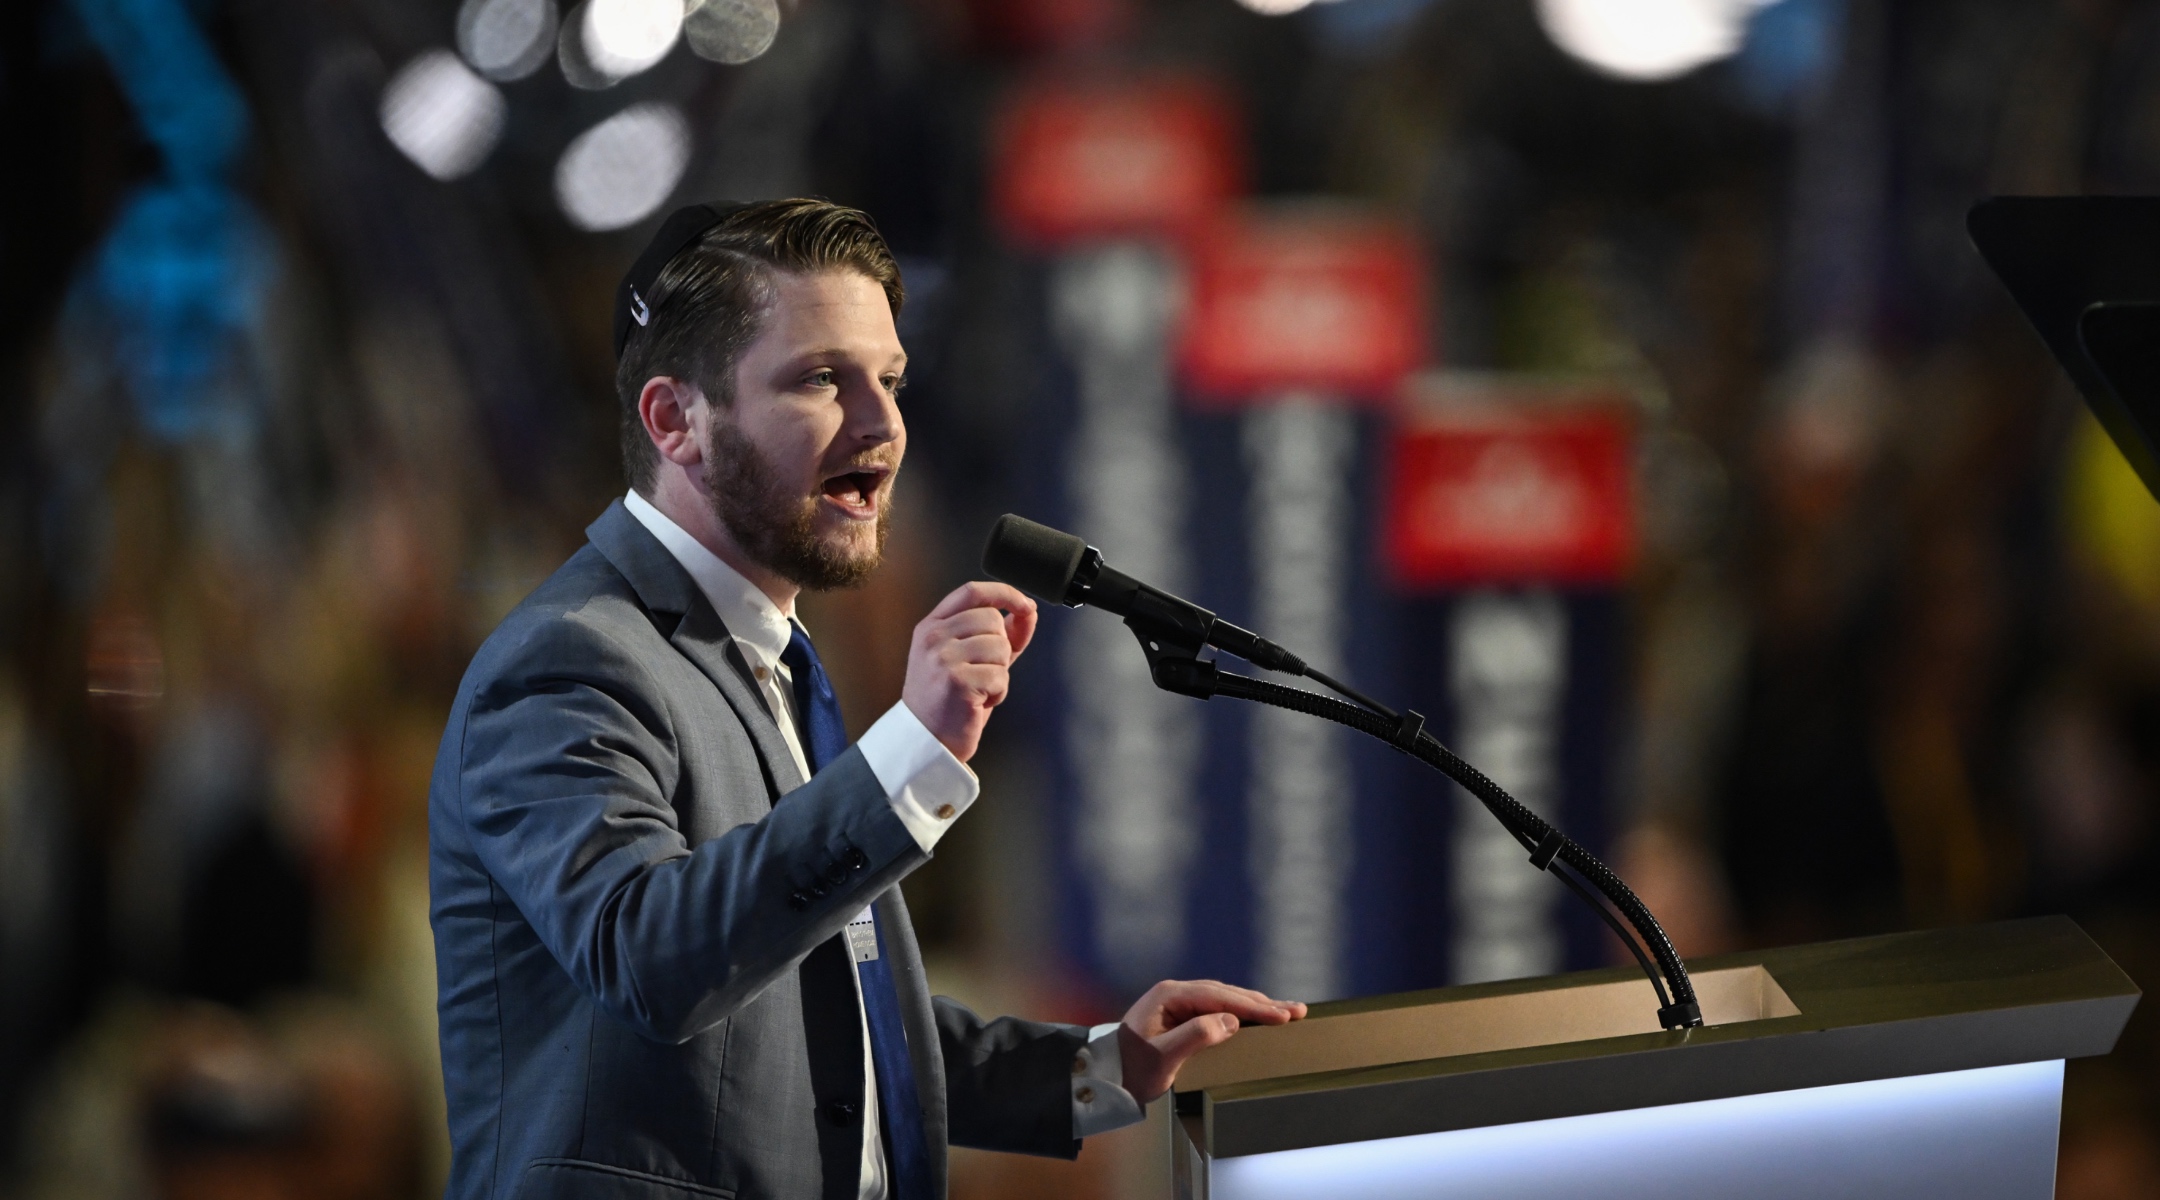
{"x":825,"y":740}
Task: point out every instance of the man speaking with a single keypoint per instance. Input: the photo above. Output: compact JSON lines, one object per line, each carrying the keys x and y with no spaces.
{"x":671,"y":949}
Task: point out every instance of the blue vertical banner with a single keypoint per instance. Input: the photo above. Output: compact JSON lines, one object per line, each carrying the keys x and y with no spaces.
{"x":1300,"y":517}
{"x":1131,"y":753}
{"x":1507,"y":530}
{"x":1218,"y":417}
{"x":1293,"y":806}
{"x":1103,"y":176}
{"x":1303,"y":318}
{"x":1519,"y":681}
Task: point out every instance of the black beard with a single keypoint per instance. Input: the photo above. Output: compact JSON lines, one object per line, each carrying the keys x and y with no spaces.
{"x":775,"y":528}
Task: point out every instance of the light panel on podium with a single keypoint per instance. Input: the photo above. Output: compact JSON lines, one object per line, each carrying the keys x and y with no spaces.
{"x":1987,"y":1134}
{"x":1913,"y":1064}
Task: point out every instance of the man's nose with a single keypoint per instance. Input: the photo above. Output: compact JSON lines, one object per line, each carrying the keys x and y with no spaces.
{"x":874,"y":415}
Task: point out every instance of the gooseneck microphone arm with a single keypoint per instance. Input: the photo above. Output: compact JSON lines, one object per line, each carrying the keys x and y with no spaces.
{"x":1059,"y":567}
{"x":1550,"y":849}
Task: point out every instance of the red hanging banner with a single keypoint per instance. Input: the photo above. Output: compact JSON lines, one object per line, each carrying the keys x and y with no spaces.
{"x":1304,"y":299}
{"x":1525,"y":483}
{"x":1087,"y":158}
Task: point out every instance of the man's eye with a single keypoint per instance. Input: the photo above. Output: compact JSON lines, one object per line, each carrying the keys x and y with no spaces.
{"x":895,"y":384}
{"x":820,"y":379}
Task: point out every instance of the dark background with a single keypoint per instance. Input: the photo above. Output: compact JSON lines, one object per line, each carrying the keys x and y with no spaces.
{"x":286,"y":425}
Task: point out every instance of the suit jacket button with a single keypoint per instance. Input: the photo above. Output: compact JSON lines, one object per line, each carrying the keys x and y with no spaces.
{"x":820,"y":890}
{"x":840,"y":1112}
{"x":835,"y":873}
{"x":800,"y":900}
{"x":856,"y":859}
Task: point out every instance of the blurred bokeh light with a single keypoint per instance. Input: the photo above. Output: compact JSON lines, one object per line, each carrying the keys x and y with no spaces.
{"x":1648,"y":39}
{"x":445,"y":118}
{"x":506,"y":39}
{"x":624,"y":37}
{"x":731,"y":31}
{"x":622,"y":169}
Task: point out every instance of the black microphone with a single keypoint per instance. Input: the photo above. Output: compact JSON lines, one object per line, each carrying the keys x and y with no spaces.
{"x":1055,"y":566}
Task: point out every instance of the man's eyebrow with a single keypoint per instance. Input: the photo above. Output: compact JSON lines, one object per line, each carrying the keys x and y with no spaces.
{"x":898,"y":360}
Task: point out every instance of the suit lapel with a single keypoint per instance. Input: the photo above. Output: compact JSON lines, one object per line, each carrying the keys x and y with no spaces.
{"x":686,"y":618}
{"x":704,"y":640}
{"x":698,"y":634}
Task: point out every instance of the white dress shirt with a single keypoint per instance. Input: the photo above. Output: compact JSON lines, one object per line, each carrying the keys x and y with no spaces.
{"x":927,"y":787}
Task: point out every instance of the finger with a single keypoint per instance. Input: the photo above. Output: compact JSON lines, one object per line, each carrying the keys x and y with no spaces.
{"x":1205,"y":995}
{"x":1020,"y":627}
{"x":981,"y":594}
{"x":1255,"y":994}
{"x":1195,"y":998}
{"x":990,"y":683}
{"x":1295,"y":1008}
{"x":1172,"y":1001}
{"x":1173,"y":984}
{"x":983,"y":648}
{"x":1171,"y":991}
{"x":971,"y":623}
{"x":1193,"y":1036}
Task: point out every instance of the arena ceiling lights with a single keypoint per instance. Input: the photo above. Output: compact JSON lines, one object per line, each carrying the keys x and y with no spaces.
{"x":444,"y":111}
{"x":1648,"y":40}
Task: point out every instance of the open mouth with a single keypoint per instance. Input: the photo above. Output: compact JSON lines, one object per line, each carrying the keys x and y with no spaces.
{"x":856,"y":492}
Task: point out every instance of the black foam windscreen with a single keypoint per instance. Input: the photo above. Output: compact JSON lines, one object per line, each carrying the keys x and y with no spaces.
{"x":1037,"y":559}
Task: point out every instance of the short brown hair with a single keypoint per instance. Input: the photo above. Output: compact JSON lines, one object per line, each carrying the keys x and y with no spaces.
{"x":711,"y":300}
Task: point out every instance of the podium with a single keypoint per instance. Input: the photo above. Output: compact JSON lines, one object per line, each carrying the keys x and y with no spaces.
{"x":1915,"y":1064}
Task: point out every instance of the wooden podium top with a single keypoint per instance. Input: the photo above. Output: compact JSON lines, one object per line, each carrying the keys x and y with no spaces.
{"x":1529,"y":1049}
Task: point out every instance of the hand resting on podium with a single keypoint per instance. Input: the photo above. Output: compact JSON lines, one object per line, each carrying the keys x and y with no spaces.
{"x":1177,"y":1019}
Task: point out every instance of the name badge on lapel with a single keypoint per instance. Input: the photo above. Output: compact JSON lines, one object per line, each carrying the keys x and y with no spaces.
{"x":862,"y":937}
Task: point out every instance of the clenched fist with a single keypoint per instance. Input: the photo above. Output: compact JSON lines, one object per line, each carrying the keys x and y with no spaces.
{"x":959,"y":659}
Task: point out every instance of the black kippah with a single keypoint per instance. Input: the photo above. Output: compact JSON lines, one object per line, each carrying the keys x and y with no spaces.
{"x":683,"y":226}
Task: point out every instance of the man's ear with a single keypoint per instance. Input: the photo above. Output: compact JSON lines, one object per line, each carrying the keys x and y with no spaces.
{"x":665,"y":407}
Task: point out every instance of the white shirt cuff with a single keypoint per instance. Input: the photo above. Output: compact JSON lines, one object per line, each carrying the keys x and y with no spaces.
{"x":927,"y":786}
{"x":1100,"y":1102}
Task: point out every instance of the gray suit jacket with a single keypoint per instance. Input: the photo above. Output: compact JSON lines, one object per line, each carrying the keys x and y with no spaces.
{"x":643,"y":987}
